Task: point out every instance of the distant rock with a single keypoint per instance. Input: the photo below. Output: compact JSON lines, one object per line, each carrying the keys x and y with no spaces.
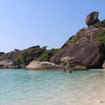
{"x":7,"y":64}
{"x":92,"y":18}
{"x":37,"y":65}
{"x":22,"y":57}
{"x":10,"y":55}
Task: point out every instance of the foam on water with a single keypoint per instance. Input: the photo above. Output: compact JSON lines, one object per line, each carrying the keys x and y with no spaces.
{"x":22,"y":87}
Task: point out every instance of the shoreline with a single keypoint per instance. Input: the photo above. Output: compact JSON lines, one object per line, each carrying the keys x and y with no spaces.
{"x":56,"y":69}
{"x":97,"y":99}
{"x":90,"y":96}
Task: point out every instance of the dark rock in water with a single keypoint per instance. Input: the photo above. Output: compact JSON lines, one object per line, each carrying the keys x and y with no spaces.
{"x":92,"y":18}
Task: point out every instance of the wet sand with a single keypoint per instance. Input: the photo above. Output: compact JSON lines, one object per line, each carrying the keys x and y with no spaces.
{"x":98,"y":98}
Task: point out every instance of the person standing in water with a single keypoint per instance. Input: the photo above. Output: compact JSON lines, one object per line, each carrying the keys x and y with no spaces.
{"x":70,"y":71}
{"x":67,"y":68}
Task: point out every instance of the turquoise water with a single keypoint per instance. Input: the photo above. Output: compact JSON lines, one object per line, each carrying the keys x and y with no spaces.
{"x":22,"y":87}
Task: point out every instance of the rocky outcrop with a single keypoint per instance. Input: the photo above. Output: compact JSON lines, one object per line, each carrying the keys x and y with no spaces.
{"x":77,"y":68}
{"x":87,"y":54}
{"x":10,"y":55}
{"x":1,"y":53}
{"x":7,"y":64}
{"x":103,"y":65}
{"x":37,"y":65}
{"x":24,"y":57}
{"x":82,"y":49}
{"x":92,"y":18}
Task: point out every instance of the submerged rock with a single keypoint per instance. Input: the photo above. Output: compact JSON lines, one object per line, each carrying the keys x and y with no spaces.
{"x":37,"y":65}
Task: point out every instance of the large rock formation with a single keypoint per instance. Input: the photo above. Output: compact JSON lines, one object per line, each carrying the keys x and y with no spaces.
{"x":83,"y":49}
{"x":87,"y":54}
{"x":92,"y":18}
{"x":37,"y":65}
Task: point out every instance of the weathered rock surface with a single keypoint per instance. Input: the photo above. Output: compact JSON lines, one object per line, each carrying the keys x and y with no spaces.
{"x":7,"y":64}
{"x":22,"y":57}
{"x":10,"y":55}
{"x":92,"y":18}
{"x":81,"y":50}
{"x":77,"y":68}
{"x":103,"y":65}
{"x":84,"y":50}
{"x":87,"y":54}
{"x":37,"y":65}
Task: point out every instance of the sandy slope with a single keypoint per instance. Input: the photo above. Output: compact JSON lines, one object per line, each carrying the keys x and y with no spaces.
{"x":97,"y":99}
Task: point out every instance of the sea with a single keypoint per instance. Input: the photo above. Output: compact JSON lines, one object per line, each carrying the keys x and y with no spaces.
{"x":27,"y":87}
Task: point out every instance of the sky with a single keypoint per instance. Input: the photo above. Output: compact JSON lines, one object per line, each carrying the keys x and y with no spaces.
{"x":26,"y":23}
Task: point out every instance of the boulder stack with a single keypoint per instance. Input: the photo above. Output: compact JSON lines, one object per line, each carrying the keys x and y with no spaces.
{"x":82,"y":49}
{"x":92,"y":18}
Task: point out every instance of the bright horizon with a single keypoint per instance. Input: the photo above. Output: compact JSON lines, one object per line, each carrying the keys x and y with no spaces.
{"x":26,"y":23}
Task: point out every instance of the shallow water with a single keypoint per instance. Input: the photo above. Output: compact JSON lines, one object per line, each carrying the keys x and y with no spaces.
{"x":22,"y":87}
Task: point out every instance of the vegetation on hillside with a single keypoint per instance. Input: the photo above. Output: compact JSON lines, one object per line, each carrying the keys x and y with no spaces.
{"x":101,"y":36}
{"x":47,"y":54}
{"x":35,"y":53}
{"x":100,"y":24}
{"x":73,"y":40}
{"x":28,"y":52}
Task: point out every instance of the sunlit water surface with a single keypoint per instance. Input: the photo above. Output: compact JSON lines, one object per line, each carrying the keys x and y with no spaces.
{"x":22,"y":87}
